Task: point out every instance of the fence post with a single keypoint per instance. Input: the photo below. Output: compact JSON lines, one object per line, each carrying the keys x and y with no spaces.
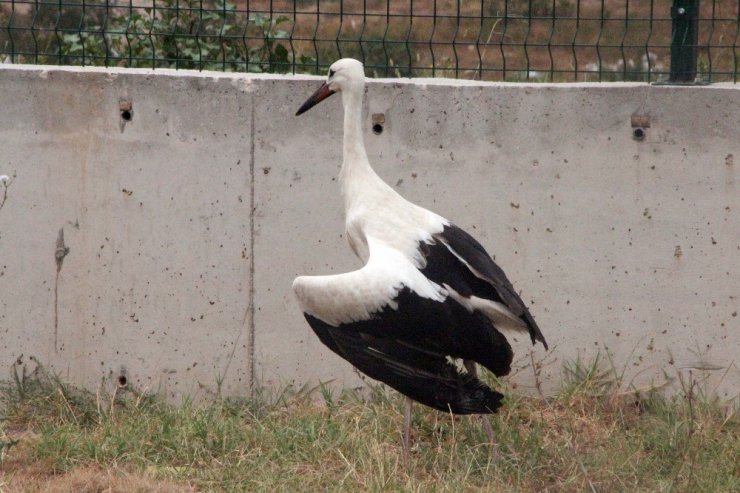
{"x":684,"y":40}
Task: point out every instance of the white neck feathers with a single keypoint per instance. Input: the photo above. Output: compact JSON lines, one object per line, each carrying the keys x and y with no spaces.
{"x":357,"y":176}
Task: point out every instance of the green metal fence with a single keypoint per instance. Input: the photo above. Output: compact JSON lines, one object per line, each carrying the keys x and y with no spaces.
{"x":541,"y":40}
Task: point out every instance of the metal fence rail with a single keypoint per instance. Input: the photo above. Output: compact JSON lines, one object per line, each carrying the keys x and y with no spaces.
{"x":541,"y":40}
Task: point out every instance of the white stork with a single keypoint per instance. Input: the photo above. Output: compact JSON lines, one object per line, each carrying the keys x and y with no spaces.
{"x":427,"y":295}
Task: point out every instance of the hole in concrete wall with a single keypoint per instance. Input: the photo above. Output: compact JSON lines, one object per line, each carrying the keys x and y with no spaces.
{"x":122,"y":381}
{"x":638,"y":133}
{"x":378,"y":121}
{"x":126,"y":109}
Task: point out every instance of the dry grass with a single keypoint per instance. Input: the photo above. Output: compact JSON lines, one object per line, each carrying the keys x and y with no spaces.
{"x":589,"y":437}
{"x":23,"y":475}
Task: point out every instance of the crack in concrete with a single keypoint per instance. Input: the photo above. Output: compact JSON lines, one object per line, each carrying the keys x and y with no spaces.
{"x":60,"y":252}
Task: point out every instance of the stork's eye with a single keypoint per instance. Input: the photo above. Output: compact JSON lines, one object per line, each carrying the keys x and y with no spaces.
{"x":332,"y":72}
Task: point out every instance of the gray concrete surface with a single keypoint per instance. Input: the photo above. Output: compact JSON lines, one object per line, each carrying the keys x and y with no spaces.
{"x":186,"y":225}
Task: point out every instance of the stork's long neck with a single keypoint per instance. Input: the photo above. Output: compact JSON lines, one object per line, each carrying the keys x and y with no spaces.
{"x":357,"y":176}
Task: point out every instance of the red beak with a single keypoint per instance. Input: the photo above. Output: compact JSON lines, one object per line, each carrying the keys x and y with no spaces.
{"x":321,"y":94}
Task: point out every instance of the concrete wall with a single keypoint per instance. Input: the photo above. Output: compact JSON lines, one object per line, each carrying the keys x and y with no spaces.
{"x":186,"y":224}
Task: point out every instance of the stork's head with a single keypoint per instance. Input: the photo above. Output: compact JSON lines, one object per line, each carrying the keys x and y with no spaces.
{"x":345,"y":75}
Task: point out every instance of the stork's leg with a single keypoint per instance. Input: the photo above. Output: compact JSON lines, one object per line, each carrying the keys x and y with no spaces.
{"x":406,"y":430}
{"x":487,"y":427}
{"x":473,"y":370}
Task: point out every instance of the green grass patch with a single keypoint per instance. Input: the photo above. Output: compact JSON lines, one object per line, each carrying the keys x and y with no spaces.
{"x":589,"y":437}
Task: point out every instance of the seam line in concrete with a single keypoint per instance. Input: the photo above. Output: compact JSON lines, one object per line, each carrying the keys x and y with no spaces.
{"x":251,"y":246}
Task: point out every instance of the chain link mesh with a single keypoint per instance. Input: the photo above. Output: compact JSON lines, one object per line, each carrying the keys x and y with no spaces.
{"x":512,"y":40}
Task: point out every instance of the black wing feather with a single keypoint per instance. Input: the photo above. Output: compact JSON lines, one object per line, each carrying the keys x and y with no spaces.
{"x":444,"y":267}
{"x":407,"y":349}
